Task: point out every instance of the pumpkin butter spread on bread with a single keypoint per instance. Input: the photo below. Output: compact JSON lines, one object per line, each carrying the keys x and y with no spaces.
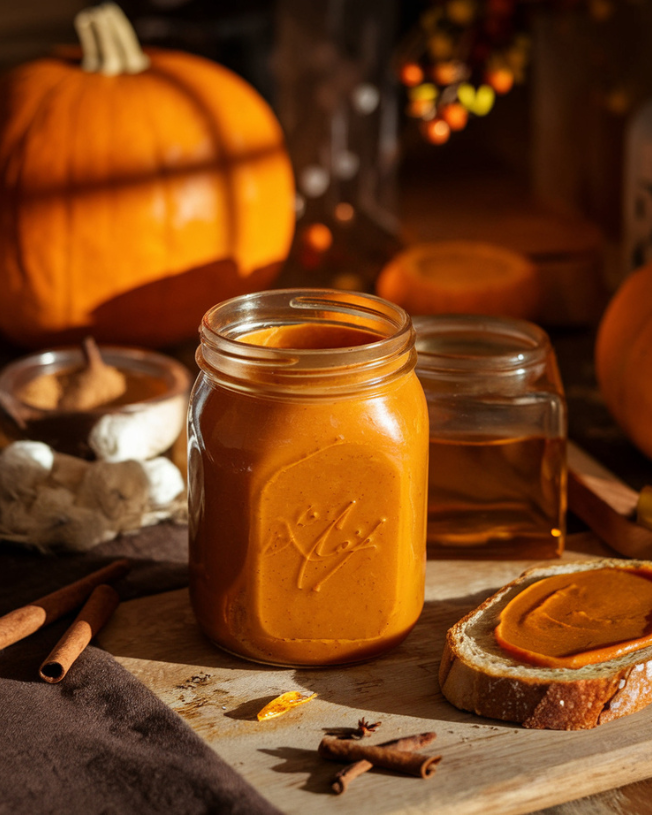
{"x":564,"y":647}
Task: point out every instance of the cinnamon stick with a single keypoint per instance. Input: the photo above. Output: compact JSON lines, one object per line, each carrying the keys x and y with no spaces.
{"x":390,"y":758}
{"x":94,"y":614}
{"x":26,"y":620}
{"x":409,"y":743}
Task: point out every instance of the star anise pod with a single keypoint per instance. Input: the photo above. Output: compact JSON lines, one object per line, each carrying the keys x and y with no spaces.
{"x":365,"y":729}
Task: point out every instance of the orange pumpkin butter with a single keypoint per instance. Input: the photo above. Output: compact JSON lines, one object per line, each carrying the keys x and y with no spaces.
{"x":308,"y":481}
{"x":129,"y":203}
{"x":577,"y":619}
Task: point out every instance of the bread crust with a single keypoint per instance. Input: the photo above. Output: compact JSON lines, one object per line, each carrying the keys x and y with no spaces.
{"x":476,"y":674}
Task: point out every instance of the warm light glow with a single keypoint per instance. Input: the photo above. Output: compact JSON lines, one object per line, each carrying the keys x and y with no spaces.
{"x":344,"y":212}
{"x":484,"y":100}
{"x":437,"y":131}
{"x":349,"y":281}
{"x":440,"y":46}
{"x":411,"y":74}
{"x":365,"y":98}
{"x":445,"y":73}
{"x":420,"y":108}
{"x":425,"y":91}
{"x":501,"y":80}
{"x":601,"y":10}
{"x":618,"y":101}
{"x":466,"y":95}
{"x":318,"y":237}
{"x":299,"y":204}
{"x":460,"y":12}
{"x":314,"y":180}
{"x":478,"y":101}
{"x":455,"y":115}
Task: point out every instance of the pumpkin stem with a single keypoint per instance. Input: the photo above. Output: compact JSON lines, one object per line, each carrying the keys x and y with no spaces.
{"x":109,"y":43}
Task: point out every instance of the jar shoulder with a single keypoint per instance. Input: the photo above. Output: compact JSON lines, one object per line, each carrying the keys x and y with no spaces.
{"x":231,"y":418}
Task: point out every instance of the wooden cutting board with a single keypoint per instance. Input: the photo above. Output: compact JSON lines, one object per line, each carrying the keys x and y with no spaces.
{"x":487,"y":766}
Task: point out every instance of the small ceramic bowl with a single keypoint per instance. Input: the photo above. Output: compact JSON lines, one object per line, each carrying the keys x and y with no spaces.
{"x":143,"y":424}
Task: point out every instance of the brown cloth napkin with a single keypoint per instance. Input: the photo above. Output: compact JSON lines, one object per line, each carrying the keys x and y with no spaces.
{"x":100,"y":742}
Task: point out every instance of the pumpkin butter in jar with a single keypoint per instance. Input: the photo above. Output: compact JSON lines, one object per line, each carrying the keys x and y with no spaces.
{"x":308,"y":466}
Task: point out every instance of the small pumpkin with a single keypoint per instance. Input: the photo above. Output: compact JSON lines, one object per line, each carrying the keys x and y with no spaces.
{"x":461,"y":277}
{"x":623,"y":357}
{"x":136,"y":190}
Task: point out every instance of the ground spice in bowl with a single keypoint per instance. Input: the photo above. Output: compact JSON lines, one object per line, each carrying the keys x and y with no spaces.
{"x":110,"y":403}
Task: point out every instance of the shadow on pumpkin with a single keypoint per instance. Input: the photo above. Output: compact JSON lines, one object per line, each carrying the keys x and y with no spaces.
{"x":144,"y":315}
{"x":92,"y":219}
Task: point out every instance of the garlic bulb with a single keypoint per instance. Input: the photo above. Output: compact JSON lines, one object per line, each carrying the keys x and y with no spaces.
{"x":53,"y":501}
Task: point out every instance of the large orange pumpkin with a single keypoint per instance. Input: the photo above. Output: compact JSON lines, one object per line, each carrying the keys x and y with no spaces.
{"x":623,"y":357}
{"x":135,"y":191}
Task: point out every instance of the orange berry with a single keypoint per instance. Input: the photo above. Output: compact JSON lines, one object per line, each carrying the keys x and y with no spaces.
{"x":318,"y":237}
{"x":445,"y":73}
{"x":411,"y":74}
{"x":437,"y":131}
{"x":500,"y":79}
{"x":455,"y":115}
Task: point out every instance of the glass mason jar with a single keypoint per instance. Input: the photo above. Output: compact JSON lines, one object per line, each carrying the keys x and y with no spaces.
{"x":497,"y":471}
{"x":308,"y":447}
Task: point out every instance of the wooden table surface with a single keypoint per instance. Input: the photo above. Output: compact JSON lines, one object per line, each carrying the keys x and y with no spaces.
{"x":487,"y":766}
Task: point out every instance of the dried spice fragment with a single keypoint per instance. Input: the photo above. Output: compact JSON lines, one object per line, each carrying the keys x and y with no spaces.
{"x":365,"y":729}
{"x":283,"y":703}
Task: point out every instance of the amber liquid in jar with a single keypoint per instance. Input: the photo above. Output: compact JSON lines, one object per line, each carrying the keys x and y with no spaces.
{"x":497,"y":463}
{"x":499,"y":495}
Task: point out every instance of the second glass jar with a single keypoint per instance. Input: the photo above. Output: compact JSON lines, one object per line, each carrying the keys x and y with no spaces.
{"x":497,"y":472}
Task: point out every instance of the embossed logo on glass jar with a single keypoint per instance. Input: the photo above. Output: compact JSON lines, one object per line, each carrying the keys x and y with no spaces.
{"x":335,"y":539}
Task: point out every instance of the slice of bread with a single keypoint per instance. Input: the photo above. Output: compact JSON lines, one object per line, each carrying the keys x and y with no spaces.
{"x":476,"y":674}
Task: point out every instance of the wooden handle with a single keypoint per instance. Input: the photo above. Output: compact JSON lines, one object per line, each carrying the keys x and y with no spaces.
{"x":626,"y":537}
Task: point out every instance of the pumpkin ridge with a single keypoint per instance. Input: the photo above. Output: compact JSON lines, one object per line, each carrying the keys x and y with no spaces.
{"x":195,"y":76}
{"x":161,"y":161}
{"x":634,"y":400}
{"x":623,"y":357}
{"x":28,"y":107}
{"x":16,"y":156}
{"x":75,"y":281}
{"x":619,"y":328}
{"x":222,"y":161}
{"x":63,"y":310}
{"x":13,"y":166}
{"x":22,"y":277}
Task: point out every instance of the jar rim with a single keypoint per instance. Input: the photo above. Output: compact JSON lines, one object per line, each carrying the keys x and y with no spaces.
{"x":250,"y":312}
{"x":457,"y":342}
{"x":230,"y":361}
